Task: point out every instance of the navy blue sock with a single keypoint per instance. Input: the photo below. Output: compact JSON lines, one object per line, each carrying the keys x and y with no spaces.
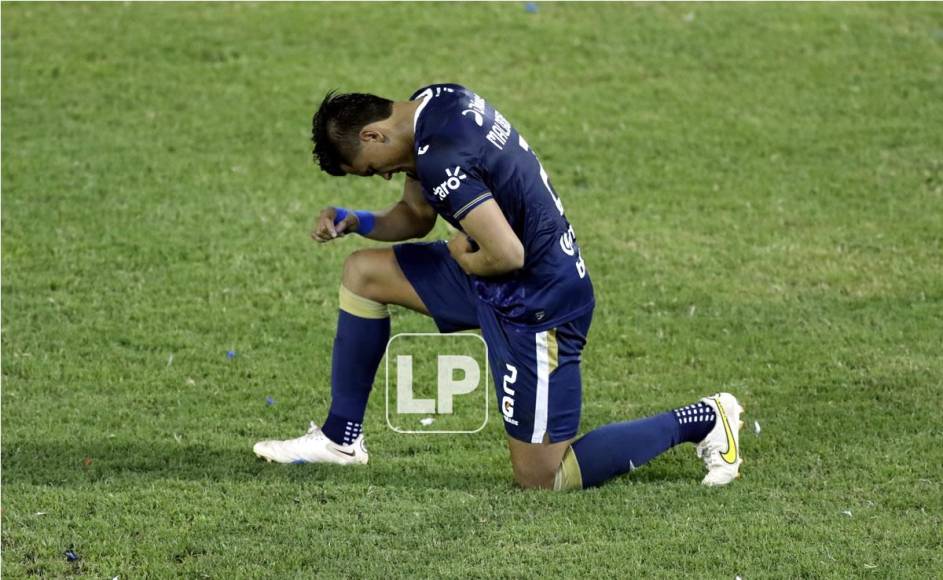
{"x":358,"y":349}
{"x":341,"y":430}
{"x":618,"y":448}
{"x":695,"y":421}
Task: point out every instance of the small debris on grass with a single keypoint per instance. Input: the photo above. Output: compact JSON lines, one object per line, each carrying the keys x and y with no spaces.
{"x":170,"y":359}
{"x":692,"y":310}
{"x":531,"y":7}
{"x":426,"y":421}
{"x":847,"y":513}
{"x":269,"y":401}
{"x":178,"y":438}
{"x":39,"y":514}
{"x":190,"y":381}
{"x":689,"y":17}
{"x":87,"y":461}
{"x":71,"y":556}
{"x":231,"y":354}
{"x":870,"y":566}
{"x":756,"y":427}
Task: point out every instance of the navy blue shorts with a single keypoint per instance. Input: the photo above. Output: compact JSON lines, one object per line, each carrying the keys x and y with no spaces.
{"x":536,"y":374}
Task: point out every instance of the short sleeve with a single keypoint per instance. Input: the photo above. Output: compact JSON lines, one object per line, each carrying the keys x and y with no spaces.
{"x":450,"y":173}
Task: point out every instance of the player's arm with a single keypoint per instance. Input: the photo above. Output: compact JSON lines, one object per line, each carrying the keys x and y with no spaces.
{"x":411,"y":217}
{"x":499,"y":251}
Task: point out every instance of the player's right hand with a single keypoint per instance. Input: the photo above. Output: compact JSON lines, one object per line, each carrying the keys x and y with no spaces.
{"x":326,"y":230}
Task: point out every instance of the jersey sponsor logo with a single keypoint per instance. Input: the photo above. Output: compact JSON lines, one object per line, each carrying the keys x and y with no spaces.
{"x":569,"y":247}
{"x":476,"y":107}
{"x":566,"y":242}
{"x":422,"y":150}
{"x":500,"y":131}
{"x":507,"y":402}
{"x":452,"y":182}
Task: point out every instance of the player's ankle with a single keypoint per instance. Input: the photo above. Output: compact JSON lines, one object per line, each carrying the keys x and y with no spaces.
{"x":695,"y":421}
{"x":340,"y":430}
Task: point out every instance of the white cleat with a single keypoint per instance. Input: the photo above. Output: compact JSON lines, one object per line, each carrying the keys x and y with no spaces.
{"x":313,"y":447}
{"x":720,"y":450}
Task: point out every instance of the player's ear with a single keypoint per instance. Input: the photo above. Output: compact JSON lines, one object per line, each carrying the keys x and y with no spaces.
{"x":371,"y":135}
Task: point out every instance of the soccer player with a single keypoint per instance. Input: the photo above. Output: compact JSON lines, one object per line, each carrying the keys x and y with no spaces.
{"x":514,"y":269}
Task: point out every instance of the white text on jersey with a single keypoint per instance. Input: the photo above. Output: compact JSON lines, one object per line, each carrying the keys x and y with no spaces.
{"x":453,"y":179}
{"x":500,"y":131}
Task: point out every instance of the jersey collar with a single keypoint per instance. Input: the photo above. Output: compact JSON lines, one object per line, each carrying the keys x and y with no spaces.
{"x":426,"y":95}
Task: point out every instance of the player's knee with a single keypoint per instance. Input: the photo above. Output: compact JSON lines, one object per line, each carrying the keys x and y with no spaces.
{"x":562,"y":476}
{"x":357,"y":276}
{"x":534,"y":476}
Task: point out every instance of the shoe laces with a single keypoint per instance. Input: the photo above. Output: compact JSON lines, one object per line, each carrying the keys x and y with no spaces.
{"x":313,"y":432}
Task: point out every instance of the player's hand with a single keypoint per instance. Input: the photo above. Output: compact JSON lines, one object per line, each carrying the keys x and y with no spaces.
{"x":459,"y":247}
{"x":326,"y":230}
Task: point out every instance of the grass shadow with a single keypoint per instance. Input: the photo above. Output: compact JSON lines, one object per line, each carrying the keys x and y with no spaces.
{"x":56,"y":463}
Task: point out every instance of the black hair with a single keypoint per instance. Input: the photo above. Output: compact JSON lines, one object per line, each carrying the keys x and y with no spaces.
{"x":335,"y":128}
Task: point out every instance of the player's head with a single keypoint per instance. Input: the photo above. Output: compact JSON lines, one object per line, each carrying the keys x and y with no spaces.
{"x":352,"y":133}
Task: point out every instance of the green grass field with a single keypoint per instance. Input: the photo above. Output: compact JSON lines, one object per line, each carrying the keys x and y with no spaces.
{"x":758,"y":190}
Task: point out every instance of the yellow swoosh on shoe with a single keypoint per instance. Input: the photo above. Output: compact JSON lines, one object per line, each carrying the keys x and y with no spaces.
{"x":730,"y":456}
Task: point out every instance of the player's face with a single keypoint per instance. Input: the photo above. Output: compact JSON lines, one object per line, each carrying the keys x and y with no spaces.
{"x":378,"y":155}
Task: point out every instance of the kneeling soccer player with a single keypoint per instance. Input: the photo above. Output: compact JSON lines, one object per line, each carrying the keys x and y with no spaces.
{"x":514,"y":270}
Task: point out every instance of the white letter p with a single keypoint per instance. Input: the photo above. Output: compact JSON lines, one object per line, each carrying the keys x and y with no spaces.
{"x":448,"y":386}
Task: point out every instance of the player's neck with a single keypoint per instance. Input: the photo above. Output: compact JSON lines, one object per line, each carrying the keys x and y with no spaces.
{"x":404,"y":113}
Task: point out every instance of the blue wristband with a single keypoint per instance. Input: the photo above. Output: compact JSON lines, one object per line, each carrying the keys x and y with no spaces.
{"x":339,"y":214}
{"x":366,"y":218}
{"x":367,"y":221}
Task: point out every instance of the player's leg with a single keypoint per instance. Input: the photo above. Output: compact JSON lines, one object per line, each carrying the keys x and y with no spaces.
{"x":619,"y":448}
{"x":713,"y":423}
{"x":543,"y":416}
{"x":536,"y":377}
{"x":376,"y":275}
{"x":535,"y":465}
{"x":371,"y":280}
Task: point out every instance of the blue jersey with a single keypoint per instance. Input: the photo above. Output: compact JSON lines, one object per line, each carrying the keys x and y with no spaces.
{"x":468,"y":153}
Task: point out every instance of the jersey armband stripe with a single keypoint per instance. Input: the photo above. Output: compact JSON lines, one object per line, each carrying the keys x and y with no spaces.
{"x":468,"y":206}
